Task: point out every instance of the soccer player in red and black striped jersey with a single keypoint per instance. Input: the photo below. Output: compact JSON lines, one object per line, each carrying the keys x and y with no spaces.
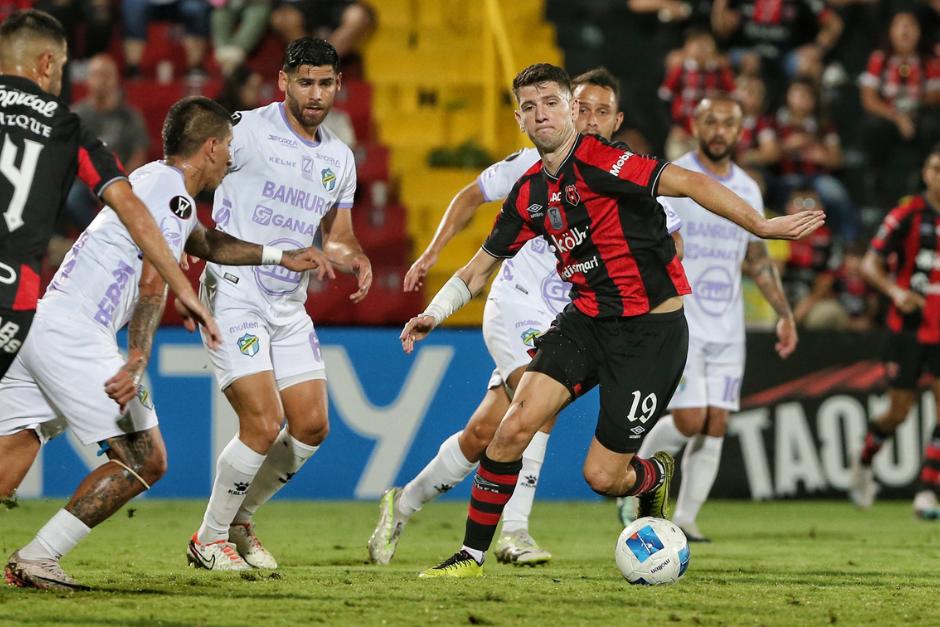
{"x":625,"y":330}
{"x":43,"y":147}
{"x":908,"y":240}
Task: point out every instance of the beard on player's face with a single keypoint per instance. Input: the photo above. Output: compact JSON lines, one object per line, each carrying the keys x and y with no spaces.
{"x":716,"y":150}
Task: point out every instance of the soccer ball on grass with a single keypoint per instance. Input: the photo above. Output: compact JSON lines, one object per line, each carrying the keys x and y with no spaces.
{"x":652,"y":551}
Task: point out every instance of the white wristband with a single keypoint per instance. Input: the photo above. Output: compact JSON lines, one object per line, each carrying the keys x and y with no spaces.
{"x":454,"y":295}
{"x":271,"y":256}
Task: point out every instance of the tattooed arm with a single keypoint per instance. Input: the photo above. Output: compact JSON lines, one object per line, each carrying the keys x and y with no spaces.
{"x":760,"y":267}
{"x":122,"y":387}
{"x":218,"y":247}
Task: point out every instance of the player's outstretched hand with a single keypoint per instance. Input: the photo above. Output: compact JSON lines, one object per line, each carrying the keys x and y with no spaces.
{"x":787,"y":337}
{"x":122,"y":387}
{"x":362,"y":268}
{"x":193,"y":312}
{"x":793,"y":226}
{"x":414,"y":278}
{"x":311,"y":258}
{"x":416,"y":330}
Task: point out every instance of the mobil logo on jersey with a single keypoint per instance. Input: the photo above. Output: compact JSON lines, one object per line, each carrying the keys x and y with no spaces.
{"x":278,"y":280}
{"x":713,"y":290}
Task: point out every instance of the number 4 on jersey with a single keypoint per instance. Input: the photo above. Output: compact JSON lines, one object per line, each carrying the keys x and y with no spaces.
{"x":20,"y":178}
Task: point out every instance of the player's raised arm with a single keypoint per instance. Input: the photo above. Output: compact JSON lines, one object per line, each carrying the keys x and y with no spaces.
{"x":343,"y":249}
{"x":459,"y":212}
{"x":218,"y":247}
{"x":677,"y":181}
{"x":123,"y":386}
{"x":457,"y":292}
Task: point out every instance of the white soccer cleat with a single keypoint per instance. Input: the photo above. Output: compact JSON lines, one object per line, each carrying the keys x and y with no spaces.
{"x":249,"y":546}
{"x":218,"y":555}
{"x":384,"y":539}
{"x":626,"y":510}
{"x":925,"y":505}
{"x":862,"y":485}
{"x":692,"y":533}
{"x":519,"y":548}
{"x":45,"y":574}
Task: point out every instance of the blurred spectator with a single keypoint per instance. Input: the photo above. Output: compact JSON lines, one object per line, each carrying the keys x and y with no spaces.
{"x":809,"y":271}
{"x":343,"y":23}
{"x":242,"y":90}
{"x":92,"y":19}
{"x":106,"y":115}
{"x":192,"y":14}
{"x":859,"y":301}
{"x":900,"y":90}
{"x":775,"y":38}
{"x":696,"y":71}
{"x":756,"y":147}
{"x":237,"y":27}
{"x":809,"y":150}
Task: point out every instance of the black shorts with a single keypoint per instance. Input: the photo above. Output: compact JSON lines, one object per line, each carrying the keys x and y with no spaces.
{"x":637,"y":361}
{"x":14,"y":325}
{"x":906,"y":359}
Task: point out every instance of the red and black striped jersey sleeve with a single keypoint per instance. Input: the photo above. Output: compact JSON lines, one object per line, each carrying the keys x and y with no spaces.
{"x":511,"y":230}
{"x":98,"y":166}
{"x":894,"y":228}
{"x":617,"y":170}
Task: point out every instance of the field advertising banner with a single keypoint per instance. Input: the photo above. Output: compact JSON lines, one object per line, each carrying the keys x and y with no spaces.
{"x":389,"y":412}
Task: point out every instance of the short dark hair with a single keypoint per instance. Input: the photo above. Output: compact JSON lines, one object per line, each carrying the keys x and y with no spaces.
{"x":541,"y":73}
{"x":33,"y":22}
{"x":310,"y":51}
{"x":601,"y":77}
{"x":190,"y":122}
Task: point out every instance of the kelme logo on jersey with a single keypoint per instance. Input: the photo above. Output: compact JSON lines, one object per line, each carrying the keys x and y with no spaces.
{"x":328,"y":179}
{"x":181,"y":207}
{"x":249,"y":344}
{"x":529,"y":335}
{"x":572,"y":195}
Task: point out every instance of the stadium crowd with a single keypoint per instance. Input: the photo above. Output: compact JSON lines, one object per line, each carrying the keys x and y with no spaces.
{"x":833,"y":116}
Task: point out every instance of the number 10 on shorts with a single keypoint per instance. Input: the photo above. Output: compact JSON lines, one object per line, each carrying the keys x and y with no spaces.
{"x":648,"y":407}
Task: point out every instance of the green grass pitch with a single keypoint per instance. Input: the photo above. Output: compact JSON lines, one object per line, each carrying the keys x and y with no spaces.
{"x":785,"y":563}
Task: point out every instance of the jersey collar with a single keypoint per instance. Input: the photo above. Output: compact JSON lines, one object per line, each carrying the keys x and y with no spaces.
{"x":561,"y":167}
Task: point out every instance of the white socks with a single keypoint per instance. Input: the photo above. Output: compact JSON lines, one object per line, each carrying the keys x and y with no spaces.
{"x":448,"y":468}
{"x":664,"y":437}
{"x":517,"y":511}
{"x":699,"y":469}
{"x":234,"y":471}
{"x":285,"y":457}
{"x":56,"y":538}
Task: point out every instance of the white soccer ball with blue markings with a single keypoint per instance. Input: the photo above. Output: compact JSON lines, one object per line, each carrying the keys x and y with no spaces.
{"x":652,"y":551}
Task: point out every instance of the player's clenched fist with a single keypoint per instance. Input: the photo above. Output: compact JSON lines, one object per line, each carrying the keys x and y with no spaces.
{"x":416,"y":330}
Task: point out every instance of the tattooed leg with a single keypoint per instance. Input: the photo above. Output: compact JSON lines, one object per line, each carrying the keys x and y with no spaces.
{"x":142,"y":458}
{"x":18,"y":451}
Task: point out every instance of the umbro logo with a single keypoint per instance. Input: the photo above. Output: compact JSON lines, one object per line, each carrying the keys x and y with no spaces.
{"x":534,"y":210}
{"x":637,"y":430}
{"x":482,"y":484}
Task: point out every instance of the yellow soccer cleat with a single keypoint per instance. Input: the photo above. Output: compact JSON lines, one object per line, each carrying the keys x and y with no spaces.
{"x":460,"y":564}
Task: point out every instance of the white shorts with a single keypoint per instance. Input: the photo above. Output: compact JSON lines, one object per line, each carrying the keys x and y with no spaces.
{"x":60,"y":374}
{"x":251,"y":344}
{"x":712,"y":376}
{"x":509,"y":330}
